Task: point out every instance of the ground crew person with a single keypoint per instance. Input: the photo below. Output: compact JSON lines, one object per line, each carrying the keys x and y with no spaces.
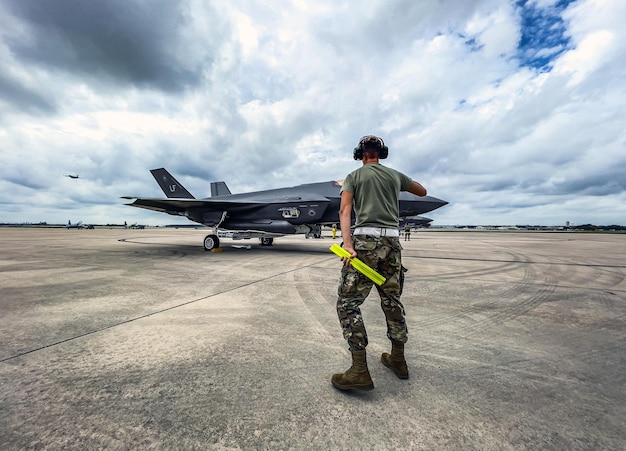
{"x":407,"y":232}
{"x":373,"y":190}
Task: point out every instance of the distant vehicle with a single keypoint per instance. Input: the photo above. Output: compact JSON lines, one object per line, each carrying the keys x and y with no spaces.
{"x":72,"y":176}
{"x":137,"y":226}
{"x":301,"y":209}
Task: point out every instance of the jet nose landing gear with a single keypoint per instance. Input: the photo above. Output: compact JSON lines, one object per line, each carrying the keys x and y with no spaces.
{"x":211,"y":242}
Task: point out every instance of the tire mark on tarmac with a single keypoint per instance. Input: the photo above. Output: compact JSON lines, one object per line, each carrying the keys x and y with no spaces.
{"x":599,"y":272}
{"x":514,"y":310}
{"x":481,"y":307}
{"x":321,"y":307}
{"x":605,"y":277}
{"x":167,"y":309}
{"x":161,"y":251}
{"x":506,"y":265}
{"x":498,"y":308}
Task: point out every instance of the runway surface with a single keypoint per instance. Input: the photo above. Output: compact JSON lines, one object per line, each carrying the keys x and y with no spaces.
{"x":137,"y":339}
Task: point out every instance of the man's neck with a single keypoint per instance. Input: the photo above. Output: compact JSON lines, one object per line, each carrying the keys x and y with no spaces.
{"x":369,"y":160}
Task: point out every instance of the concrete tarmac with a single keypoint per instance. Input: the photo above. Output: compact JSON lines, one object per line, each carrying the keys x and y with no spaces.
{"x":137,"y":339}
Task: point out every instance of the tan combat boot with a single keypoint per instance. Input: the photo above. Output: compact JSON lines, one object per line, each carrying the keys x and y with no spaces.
{"x":395,"y":360}
{"x":357,"y":377}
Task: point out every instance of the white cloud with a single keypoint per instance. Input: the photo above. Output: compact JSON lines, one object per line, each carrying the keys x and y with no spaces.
{"x":264,"y":96}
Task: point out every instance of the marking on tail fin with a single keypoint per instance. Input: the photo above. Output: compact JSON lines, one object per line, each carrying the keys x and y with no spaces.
{"x":170,"y":186}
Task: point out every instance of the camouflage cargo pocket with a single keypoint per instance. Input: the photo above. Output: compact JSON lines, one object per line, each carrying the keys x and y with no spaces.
{"x":365,"y":244}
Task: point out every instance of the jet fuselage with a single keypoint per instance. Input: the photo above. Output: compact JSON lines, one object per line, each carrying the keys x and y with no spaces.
{"x":281,"y":211}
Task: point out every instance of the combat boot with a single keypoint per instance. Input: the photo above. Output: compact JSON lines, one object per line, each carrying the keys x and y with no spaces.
{"x":357,"y":377}
{"x":395,"y":360}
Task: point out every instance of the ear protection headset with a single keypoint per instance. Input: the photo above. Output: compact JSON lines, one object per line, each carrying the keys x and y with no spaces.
{"x":371,"y":142}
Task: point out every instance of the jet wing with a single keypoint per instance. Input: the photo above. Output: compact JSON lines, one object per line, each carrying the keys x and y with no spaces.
{"x":180,"y":205}
{"x":173,"y":206}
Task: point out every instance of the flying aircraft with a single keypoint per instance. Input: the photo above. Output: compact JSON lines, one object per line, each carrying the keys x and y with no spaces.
{"x":266,"y":215}
{"x":72,"y":176}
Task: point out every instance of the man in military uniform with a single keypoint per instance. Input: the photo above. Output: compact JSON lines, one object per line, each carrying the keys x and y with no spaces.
{"x":374,"y":191}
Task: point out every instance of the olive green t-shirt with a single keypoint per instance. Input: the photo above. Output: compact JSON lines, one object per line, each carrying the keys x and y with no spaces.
{"x":376,"y":190}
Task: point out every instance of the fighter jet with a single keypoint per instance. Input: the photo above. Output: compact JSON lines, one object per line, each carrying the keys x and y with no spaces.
{"x":415,"y":221}
{"x":266,"y":215}
{"x":72,"y":176}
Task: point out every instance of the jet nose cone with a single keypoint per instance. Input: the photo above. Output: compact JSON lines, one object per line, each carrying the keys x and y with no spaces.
{"x":432,"y":203}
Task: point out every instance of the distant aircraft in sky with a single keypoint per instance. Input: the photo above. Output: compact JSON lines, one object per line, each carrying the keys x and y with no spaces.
{"x":301,"y":209}
{"x":72,"y":176}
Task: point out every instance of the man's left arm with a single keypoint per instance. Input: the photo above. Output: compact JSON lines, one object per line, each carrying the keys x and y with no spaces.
{"x":417,"y":189}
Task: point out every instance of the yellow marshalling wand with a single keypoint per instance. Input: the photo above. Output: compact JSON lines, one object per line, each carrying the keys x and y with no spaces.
{"x":359,"y":265}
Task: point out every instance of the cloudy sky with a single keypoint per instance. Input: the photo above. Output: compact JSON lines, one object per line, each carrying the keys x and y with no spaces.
{"x":512,"y":111}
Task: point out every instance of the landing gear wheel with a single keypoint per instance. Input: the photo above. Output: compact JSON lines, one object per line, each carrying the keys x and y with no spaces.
{"x":211,"y":242}
{"x":265,"y":241}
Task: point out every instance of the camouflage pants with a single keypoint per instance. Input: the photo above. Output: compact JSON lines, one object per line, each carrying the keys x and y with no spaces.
{"x":384,"y":255}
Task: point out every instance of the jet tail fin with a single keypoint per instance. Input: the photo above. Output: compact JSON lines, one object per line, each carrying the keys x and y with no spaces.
{"x":170,"y":186}
{"x":219,"y":189}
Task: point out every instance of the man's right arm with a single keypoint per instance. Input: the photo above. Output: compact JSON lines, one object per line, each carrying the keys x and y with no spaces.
{"x":345,"y":221}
